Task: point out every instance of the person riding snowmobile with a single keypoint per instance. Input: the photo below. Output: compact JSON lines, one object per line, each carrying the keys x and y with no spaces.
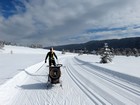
{"x":51,"y":55}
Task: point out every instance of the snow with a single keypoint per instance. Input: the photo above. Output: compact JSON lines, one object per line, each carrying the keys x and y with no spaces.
{"x":127,"y":65}
{"x":85,"y":81}
{"x":18,"y":60}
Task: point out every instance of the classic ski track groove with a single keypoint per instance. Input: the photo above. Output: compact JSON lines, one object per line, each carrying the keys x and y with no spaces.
{"x":32,"y":89}
{"x":82,"y":87}
{"x":125,"y":90}
{"x":93,"y":95}
{"x":114,"y":80}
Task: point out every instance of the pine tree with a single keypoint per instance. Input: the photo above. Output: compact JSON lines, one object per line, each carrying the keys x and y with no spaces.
{"x":136,"y":53}
{"x":1,"y":44}
{"x":106,"y":55}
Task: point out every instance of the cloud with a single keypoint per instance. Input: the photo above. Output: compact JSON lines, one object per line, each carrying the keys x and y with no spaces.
{"x":53,"y":22}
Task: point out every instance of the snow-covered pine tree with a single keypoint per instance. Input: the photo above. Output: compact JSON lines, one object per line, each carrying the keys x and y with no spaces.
{"x":63,"y":51}
{"x":106,"y":55}
{"x":136,"y":52}
{"x":1,"y":44}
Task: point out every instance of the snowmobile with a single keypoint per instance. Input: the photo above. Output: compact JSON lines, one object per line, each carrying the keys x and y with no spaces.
{"x":54,"y":74}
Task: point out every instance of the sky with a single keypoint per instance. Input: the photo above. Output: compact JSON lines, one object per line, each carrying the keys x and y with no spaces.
{"x":60,"y":22}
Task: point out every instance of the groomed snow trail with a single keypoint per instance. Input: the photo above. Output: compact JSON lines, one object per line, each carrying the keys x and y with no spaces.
{"x":30,"y":88}
{"x":82,"y":84}
{"x":103,"y":88}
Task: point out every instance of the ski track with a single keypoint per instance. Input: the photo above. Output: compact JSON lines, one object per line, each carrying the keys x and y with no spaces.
{"x":30,"y":88}
{"x":82,"y":84}
{"x":104,"y":84}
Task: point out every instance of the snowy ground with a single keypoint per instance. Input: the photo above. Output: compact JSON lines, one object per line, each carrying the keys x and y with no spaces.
{"x":15,"y":59}
{"x":84,"y":80}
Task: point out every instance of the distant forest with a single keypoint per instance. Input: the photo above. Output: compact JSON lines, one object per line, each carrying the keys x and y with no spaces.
{"x":125,"y":46}
{"x":133,"y":42}
{"x":118,"y":45}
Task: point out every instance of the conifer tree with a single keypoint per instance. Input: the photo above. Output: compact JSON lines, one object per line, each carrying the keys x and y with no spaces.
{"x":106,"y":55}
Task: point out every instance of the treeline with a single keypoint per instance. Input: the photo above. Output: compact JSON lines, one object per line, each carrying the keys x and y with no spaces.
{"x":125,"y":46}
{"x":117,"y":51}
{"x":122,"y":51}
{"x":2,"y":43}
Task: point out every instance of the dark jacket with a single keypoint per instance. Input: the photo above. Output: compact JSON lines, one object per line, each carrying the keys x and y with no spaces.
{"x":51,"y":56}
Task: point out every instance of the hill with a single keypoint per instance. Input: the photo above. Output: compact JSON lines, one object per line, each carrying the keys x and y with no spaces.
{"x":133,"y":42}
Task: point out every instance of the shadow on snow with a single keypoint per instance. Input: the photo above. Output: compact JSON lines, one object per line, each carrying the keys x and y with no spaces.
{"x":36,"y":86}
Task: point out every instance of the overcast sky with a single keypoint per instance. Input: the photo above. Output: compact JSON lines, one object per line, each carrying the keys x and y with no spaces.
{"x":59,"y":22}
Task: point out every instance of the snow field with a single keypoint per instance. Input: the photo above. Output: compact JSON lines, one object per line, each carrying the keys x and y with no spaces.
{"x":84,"y":82}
